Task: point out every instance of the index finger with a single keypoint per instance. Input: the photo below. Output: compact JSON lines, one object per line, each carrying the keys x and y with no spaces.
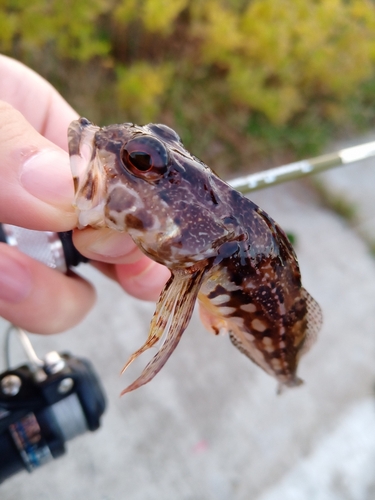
{"x":37,"y":186}
{"x":39,"y":102}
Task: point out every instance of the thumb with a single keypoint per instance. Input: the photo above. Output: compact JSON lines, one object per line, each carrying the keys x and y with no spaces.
{"x":36,"y":184}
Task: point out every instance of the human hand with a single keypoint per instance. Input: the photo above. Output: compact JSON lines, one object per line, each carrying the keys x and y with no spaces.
{"x":37,"y":193}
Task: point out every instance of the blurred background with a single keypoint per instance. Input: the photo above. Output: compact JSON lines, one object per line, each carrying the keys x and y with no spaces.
{"x":247,"y":85}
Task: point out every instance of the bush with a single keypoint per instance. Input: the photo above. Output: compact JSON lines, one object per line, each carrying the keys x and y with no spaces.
{"x":238,"y":78}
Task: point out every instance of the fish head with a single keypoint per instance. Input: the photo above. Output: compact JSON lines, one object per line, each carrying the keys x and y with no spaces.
{"x":141,"y":179}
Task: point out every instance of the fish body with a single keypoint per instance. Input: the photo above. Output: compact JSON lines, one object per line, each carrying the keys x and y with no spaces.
{"x":220,"y":247}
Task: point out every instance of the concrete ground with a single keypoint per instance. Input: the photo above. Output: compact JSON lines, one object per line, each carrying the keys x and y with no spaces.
{"x":355,"y":184}
{"x":210,"y":426}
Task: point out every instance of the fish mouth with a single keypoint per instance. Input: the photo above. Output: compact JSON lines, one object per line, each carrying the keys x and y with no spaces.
{"x":88,"y":174}
{"x":81,"y":135}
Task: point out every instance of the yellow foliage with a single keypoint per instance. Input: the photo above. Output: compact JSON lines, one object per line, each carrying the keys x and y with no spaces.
{"x":309,"y":49}
{"x":126,"y":10}
{"x":159,"y":15}
{"x":140,"y":87}
{"x":219,"y":32}
{"x":156,"y":15}
{"x":70,"y":25}
{"x":8,"y":28}
{"x":278,"y":59}
{"x":246,"y":86}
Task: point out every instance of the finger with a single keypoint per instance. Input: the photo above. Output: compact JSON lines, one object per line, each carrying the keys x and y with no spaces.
{"x":38,"y":298}
{"x":137,"y":274}
{"x":106,"y":245}
{"x":143,"y":279}
{"x":37,"y":187}
{"x":41,"y":104}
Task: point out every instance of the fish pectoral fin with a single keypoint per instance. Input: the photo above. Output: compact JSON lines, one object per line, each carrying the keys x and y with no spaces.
{"x":171,"y":317}
{"x":164,"y":308}
{"x":150,"y":342}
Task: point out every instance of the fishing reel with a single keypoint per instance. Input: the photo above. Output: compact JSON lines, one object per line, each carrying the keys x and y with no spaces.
{"x":44,"y":402}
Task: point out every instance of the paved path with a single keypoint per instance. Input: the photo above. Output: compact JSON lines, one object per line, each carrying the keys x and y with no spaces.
{"x":355,"y":184}
{"x":210,"y":426}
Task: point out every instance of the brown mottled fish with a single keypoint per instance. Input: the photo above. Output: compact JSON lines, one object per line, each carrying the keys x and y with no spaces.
{"x":220,"y":247}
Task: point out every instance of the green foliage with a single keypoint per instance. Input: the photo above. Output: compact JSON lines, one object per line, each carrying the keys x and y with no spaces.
{"x":157,"y":16}
{"x":227,"y":73}
{"x":67,"y":24}
{"x":304,"y":135}
{"x":279,"y":59}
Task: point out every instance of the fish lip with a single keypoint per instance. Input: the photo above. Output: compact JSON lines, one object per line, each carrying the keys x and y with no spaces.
{"x":80,"y":132}
{"x":81,"y":145}
{"x":77,"y":130}
{"x":86,"y":170}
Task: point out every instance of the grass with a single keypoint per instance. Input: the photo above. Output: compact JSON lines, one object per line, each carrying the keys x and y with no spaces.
{"x":336,"y":202}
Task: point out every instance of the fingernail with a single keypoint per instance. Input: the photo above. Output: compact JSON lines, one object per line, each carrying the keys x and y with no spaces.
{"x":15,"y":280}
{"x":108,"y":243}
{"x":46,"y":175}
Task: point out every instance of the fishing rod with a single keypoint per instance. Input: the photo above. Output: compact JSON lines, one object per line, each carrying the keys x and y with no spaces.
{"x":303,"y":168}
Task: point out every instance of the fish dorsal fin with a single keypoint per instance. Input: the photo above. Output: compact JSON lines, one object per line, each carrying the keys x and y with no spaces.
{"x":171,"y":317}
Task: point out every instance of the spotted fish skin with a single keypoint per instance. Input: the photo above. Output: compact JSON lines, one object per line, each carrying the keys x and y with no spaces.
{"x":221,"y":248}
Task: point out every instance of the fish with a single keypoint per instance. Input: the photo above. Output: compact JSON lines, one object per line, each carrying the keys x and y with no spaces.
{"x":222,"y":249}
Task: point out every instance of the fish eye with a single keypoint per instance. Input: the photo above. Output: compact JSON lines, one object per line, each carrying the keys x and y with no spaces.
{"x":145,"y":157}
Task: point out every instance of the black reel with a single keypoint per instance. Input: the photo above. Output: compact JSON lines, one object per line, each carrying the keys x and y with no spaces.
{"x":44,"y":404}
